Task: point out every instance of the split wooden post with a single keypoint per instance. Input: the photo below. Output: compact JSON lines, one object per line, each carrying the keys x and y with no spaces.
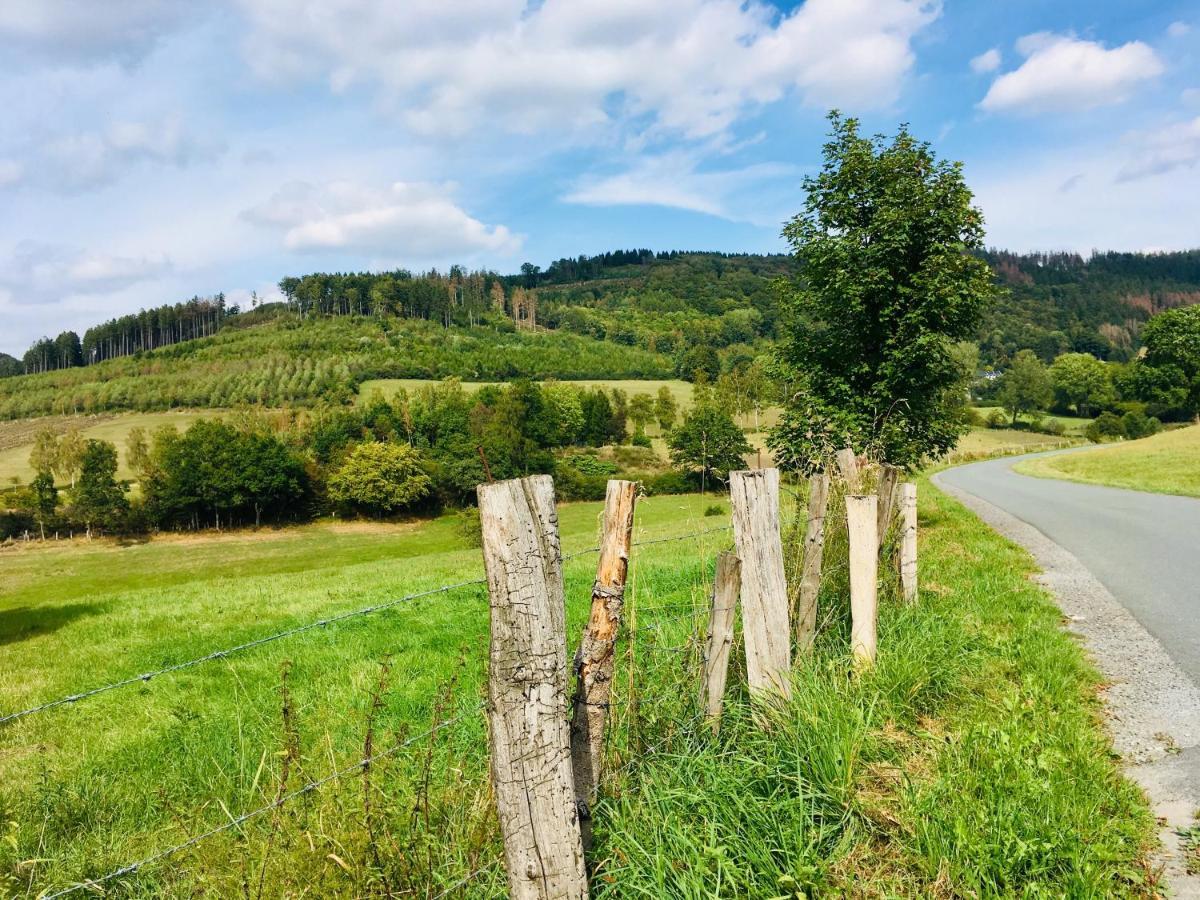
{"x":862,"y":511}
{"x":726,"y":585}
{"x":814,"y":554}
{"x":754,"y":496}
{"x":848,"y":465}
{"x":889,"y":476}
{"x":596,"y":656}
{"x":908,"y":541}
{"x":527,"y":691}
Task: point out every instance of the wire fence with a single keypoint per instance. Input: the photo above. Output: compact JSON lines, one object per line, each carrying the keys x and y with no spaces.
{"x":100,"y":883}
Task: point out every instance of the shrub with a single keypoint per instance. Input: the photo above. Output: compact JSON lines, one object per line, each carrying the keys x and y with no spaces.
{"x":1052,"y":426}
{"x":715,"y":509}
{"x":997,"y":419}
{"x":670,"y":483}
{"x":1135,"y":424}
{"x":587,"y":464}
{"x":379,"y":477}
{"x":1105,"y":427}
{"x":641,"y":439}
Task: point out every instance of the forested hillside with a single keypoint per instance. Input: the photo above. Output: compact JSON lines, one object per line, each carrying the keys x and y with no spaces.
{"x":625,"y":314}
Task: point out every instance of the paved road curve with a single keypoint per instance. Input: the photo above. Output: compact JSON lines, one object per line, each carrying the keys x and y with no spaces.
{"x":1145,"y":548}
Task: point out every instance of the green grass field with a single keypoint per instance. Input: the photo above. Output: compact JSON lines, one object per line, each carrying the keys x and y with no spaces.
{"x":971,"y":762}
{"x":1072,"y":424}
{"x":14,"y":460}
{"x":1166,"y":463}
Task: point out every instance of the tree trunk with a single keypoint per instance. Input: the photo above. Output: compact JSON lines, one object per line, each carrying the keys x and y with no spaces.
{"x":755,"y":499}
{"x":814,"y":555}
{"x":527,"y":691}
{"x":595,"y":658}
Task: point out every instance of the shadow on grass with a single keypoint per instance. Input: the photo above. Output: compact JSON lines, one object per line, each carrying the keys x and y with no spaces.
{"x":24,"y":622}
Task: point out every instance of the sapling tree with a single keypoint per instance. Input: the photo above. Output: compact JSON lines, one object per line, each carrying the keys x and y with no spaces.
{"x":889,"y":282}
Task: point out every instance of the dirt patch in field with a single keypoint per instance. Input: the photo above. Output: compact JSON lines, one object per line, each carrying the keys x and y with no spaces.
{"x":19,"y":432}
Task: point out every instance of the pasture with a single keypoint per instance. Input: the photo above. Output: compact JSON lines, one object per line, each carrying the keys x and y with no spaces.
{"x":913,"y":779}
{"x":1165,"y":463}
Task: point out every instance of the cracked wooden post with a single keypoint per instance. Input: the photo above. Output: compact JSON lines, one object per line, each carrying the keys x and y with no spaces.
{"x":908,"y":541}
{"x":889,"y":476}
{"x":814,"y":554}
{"x":862,"y":511}
{"x":726,"y":585}
{"x":595,"y":658}
{"x":754,"y":496}
{"x":848,"y":466}
{"x":527,"y":691}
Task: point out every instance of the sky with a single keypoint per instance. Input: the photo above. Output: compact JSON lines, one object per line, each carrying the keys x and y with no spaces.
{"x":156,"y":149}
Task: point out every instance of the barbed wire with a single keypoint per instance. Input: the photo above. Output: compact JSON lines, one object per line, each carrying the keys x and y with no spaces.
{"x":465,"y":880}
{"x":289,"y":632}
{"x":229,"y":651}
{"x":133,"y":868}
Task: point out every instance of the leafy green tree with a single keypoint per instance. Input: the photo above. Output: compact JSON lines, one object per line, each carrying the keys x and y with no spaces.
{"x":641,"y":412}
{"x":566,"y":412}
{"x":44,"y":495}
{"x":1082,"y":381}
{"x":666,"y":410}
{"x":69,"y":459}
{"x":708,"y":442}
{"x":380,"y":478}
{"x":98,"y":499}
{"x":1026,"y":386}
{"x":701,"y":358}
{"x":43,"y":458}
{"x":137,"y":450}
{"x":889,"y":282}
{"x":1168,"y":376}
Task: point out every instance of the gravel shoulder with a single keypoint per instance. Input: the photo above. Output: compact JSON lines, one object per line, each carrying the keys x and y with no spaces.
{"x":1153,"y":706}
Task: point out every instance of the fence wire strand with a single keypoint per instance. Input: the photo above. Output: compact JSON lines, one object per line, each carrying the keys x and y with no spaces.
{"x":236,"y":822}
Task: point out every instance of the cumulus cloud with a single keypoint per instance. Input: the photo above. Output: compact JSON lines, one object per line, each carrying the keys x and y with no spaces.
{"x":85,"y":31}
{"x":1179,"y":29}
{"x":675,"y":180}
{"x":94,"y":158}
{"x":403,"y":220}
{"x":1064,"y":73}
{"x":44,"y":273}
{"x":687,"y":67}
{"x":988,"y":61}
{"x":1166,"y":150}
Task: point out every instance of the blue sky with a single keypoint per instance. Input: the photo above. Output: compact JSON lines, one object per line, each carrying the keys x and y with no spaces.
{"x":154,"y":149}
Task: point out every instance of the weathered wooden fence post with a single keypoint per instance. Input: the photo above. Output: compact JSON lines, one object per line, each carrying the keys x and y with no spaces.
{"x":596,"y":656}
{"x":908,"y":541}
{"x":862,"y":511}
{"x":889,"y":476}
{"x":527,"y":691}
{"x":814,"y":554}
{"x":848,"y":466}
{"x":726,"y":585}
{"x":754,"y":495}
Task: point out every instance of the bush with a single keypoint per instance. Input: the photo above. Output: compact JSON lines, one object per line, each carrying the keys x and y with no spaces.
{"x":1106,"y":427}
{"x":379,"y":477}
{"x":587,"y":464}
{"x":641,"y":439}
{"x":715,"y":509}
{"x":997,"y":419}
{"x":466,"y":523}
{"x":1135,"y":424}
{"x":572,"y":484}
{"x":1052,"y":426}
{"x":670,"y":483}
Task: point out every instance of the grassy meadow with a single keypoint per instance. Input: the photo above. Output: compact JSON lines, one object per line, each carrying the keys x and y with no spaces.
{"x":971,"y":762}
{"x":1165,"y":463}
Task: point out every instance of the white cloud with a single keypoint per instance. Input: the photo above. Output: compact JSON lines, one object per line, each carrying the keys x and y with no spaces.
{"x":44,"y":273}
{"x":89,"y":30}
{"x":1191,"y":96}
{"x":1166,"y":150}
{"x":673,"y":180}
{"x":988,"y":61}
{"x":572,"y":67}
{"x":1064,"y":73}
{"x":404,"y":220}
{"x":1179,"y":29}
{"x":94,"y":158}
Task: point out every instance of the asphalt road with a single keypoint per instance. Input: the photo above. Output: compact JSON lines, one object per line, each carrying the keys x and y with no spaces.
{"x":1145,"y":548}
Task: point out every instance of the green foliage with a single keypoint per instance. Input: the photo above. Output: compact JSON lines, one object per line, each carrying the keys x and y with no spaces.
{"x":98,"y":500}
{"x":699,"y":359}
{"x":666,"y":410}
{"x":380,"y":478}
{"x":1105,"y":427}
{"x":889,"y":285}
{"x":715,"y":509}
{"x":1167,"y":378}
{"x":1135,"y":424}
{"x":1026,"y":385}
{"x":43,"y":458}
{"x":1082,"y":381}
{"x":708,"y":443}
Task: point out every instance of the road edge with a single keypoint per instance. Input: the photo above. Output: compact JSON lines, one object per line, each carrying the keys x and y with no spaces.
{"x":1152,"y":706}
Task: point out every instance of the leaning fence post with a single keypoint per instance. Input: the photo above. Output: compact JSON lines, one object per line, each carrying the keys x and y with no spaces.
{"x":848,"y":464}
{"x":908,"y":541}
{"x":862,"y":511}
{"x":754,"y":496}
{"x":527,"y":691}
{"x":888,"y":478}
{"x":726,"y":585}
{"x":814,"y":553}
{"x":596,"y":655}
